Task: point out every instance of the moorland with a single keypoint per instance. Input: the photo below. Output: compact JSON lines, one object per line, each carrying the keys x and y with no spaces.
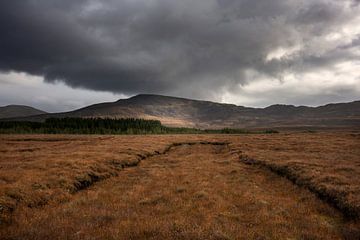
{"x":290,"y":185}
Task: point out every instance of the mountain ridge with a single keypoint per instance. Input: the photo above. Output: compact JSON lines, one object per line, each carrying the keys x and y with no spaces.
{"x":14,"y":110}
{"x":183,"y":112}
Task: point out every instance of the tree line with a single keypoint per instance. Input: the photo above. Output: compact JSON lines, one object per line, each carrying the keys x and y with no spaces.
{"x":104,"y":126}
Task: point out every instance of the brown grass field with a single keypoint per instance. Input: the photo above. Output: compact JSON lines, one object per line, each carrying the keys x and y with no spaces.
{"x":274,"y":186}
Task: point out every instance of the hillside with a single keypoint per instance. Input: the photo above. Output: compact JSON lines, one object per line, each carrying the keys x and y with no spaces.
{"x":182,"y":112}
{"x":13,"y":111}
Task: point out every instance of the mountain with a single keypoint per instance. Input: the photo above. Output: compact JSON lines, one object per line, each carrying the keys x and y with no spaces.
{"x":13,"y":111}
{"x":181,"y":112}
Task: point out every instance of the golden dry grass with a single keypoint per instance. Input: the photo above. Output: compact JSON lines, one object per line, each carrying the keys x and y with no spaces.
{"x":191,"y":192}
{"x":38,"y":169}
{"x":326,"y":163}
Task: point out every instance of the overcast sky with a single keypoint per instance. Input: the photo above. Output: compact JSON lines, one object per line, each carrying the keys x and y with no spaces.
{"x":61,"y":55}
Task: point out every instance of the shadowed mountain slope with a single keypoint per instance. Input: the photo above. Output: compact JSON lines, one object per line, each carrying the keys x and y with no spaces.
{"x":13,"y":111}
{"x":182,"y":112}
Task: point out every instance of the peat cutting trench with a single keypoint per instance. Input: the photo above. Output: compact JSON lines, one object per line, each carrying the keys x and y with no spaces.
{"x":189,"y":191}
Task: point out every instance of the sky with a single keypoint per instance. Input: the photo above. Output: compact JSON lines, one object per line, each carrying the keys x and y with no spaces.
{"x":62,"y":55}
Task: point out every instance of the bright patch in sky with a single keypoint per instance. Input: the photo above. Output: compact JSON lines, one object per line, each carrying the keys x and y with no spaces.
{"x":24,"y":89}
{"x":62,"y":55}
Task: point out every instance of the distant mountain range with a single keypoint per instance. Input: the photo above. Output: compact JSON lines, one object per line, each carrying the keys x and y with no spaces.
{"x":13,"y":111}
{"x":181,"y":112}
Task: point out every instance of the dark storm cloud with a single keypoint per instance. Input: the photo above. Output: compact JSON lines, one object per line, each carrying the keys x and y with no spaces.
{"x":161,"y":46}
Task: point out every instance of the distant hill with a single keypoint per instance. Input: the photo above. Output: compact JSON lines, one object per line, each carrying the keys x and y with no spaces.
{"x":13,"y":111}
{"x":181,"y":112}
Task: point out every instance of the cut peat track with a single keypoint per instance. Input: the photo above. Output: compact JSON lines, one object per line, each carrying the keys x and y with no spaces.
{"x":91,"y":178}
{"x":333,"y":198}
{"x":88,"y":179}
{"x":189,"y":190}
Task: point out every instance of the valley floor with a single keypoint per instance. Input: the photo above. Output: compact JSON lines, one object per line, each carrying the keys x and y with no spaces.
{"x":203,"y":187}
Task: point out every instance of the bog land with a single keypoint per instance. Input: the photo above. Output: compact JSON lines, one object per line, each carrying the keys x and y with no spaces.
{"x":290,"y":185}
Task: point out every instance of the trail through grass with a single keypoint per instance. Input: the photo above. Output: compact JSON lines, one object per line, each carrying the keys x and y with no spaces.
{"x":196,"y":191}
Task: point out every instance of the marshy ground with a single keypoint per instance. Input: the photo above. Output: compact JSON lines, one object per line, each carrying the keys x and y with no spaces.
{"x":205,"y":187}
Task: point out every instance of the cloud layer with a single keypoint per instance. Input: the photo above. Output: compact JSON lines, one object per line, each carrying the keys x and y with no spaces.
{"x":214,"y":49}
